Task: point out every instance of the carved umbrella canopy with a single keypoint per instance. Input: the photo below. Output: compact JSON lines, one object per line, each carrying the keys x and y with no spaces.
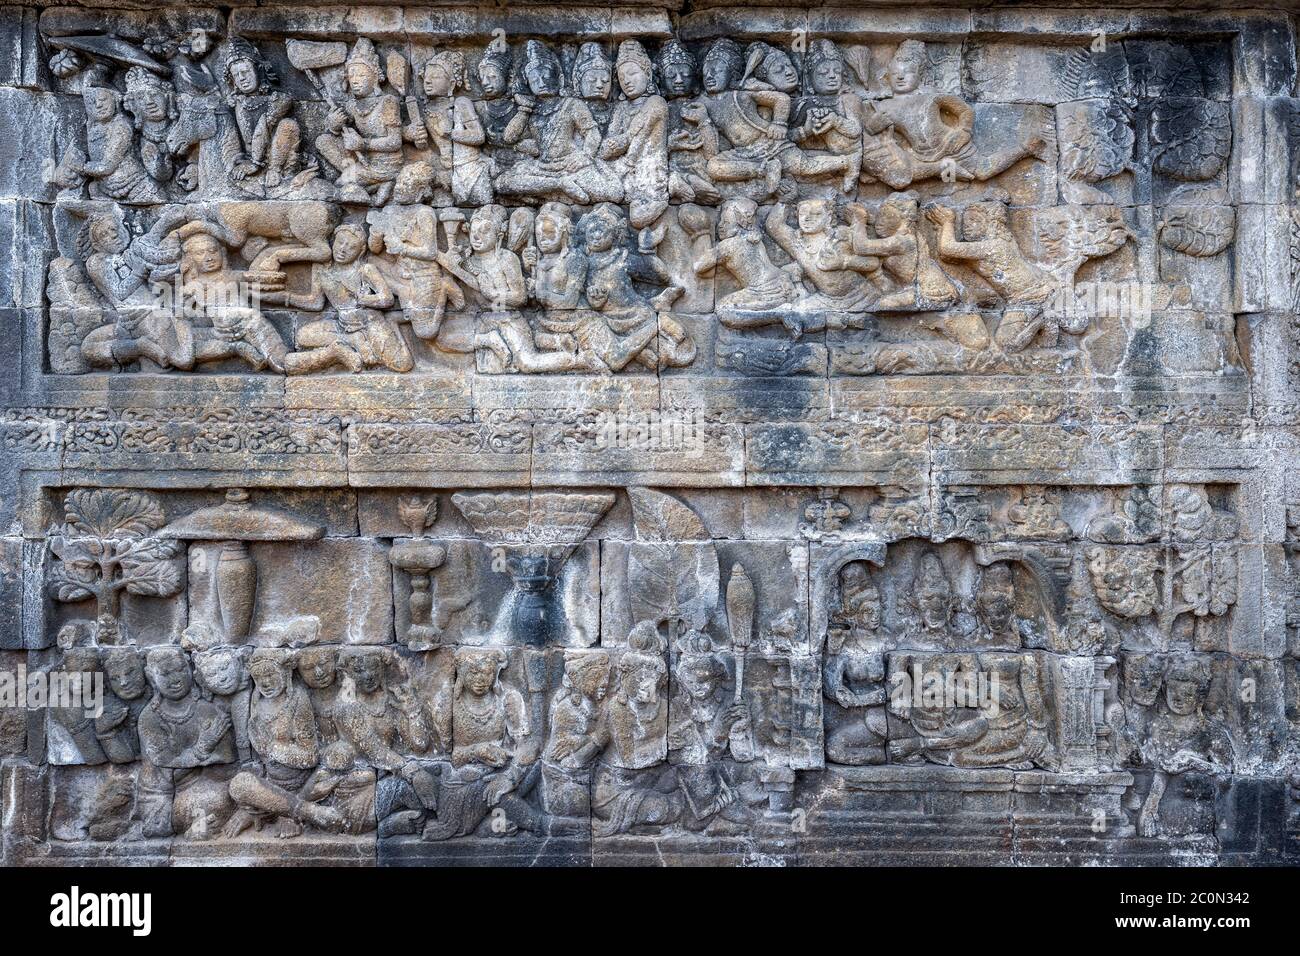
{"x":233,"y":524}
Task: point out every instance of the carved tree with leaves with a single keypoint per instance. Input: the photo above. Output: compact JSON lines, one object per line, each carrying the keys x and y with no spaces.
{"x":106,"y":545}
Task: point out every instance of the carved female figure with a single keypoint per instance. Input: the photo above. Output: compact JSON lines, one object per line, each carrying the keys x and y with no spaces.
{"x":453,"y":128}
{"x":637,"y":138}
{"x":178,"y":729}
{"x":266,"y":136}
{"x":283,"y":733}
{"x":628,"y":325}
{"x":151,"y":102}
{"x":840,"y":280}
{"x":578,"y":734}
{"x":853,"y":673}
{"x":828,"y":118}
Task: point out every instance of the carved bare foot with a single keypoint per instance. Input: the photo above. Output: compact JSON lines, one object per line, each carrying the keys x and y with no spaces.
{"x":237,"y":824}
{"x":287,"y":828}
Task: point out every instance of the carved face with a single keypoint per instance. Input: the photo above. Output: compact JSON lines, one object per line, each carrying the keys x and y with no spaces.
{"x":814,"y":216}
{"x":781,"y":72}
{"x":204,"y":254}
{"x":596,"y":83}
{"x":222,"y":671}
{"x":639,"y":682}
{"x":1181,"y":696}
{"x":480,"y":675}
{"x":717,"y":74}
{"x":888,"y":220}
{"x":437,"y":81}
{"x":269,"y":681}
{"x":491,"y":78}
{"x":934,"y":605}
{"x":347,"y":246}
{"x":243,"y":74}
{"x":998,"y":607}
{"x":484,"y":232}
{"x":592,"y":681}
{"x":361,"y":78}
{"x":1142,"y":677}
{"x":153,"y":104}
{"x":677,"y":78}
{"x":543,"y":76}
{"x":107,"y":237}
{"x":827,"y":77}
{"x":316,"y":668}
{"x":859,"y":598}
{"x":699,"y":678}
{"x":904,"y":74}
{"x":100,"y":104}
{"x":600,"y":233}
{"x":367,"y":672}
{"x":125,"y":672}
{"x":632,"y":79}
{"x":550,"y":232}
{"x":170,"y":675}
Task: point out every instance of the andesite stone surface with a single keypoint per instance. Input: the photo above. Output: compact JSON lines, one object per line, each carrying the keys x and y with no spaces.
{"x":687,"y":433}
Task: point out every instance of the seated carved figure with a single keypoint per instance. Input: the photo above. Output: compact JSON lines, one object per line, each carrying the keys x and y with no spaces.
{"x":283,"y":733}
{"x":360,"y":336}
{"x":853,"y":673}
{"x":152,"y":103}
{"x":558,"y":139}
{"x":828,"y":118}
{"x":364,"y":138}
{"x":636,"y":141}
{"x":633,"y":788}
{"x":178,"y":729}
{"x":627,"y":329}
{"x":577,"y":736}
{"x":494,"y":756}
{"x":117,"y":727}
{"x":751,"y":109}
{"x":404,"y":243}
{"x":1182,"y":738}
{"x":109,"y":165}
{"x":264,"y":137}
{"x":692,"y":138}
{"x":120,"y":268}
{"x":710,"y":738}
{"x":453,"y":132}
{"x":217,"y":301}
{"x":764,"y":289}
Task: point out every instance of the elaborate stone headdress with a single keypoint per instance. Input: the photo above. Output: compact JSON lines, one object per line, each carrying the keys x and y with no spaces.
{"x":237,"y":48}
{"x":538,"y":54}
{"x":673,"y":52}
{"x":821,"y":51}
{"x":453,"y":63}
{"x":631,"y":51}
{"x":910,"y":52}
{"x":497,"y":54}
{"x":363,"y":51}
{"x":590,"y":57}
{"x":728,"y":51}
{"x":140,"y":81}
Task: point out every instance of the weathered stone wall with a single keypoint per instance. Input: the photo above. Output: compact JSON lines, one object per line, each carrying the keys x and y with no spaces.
{"x":604,"y":434}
